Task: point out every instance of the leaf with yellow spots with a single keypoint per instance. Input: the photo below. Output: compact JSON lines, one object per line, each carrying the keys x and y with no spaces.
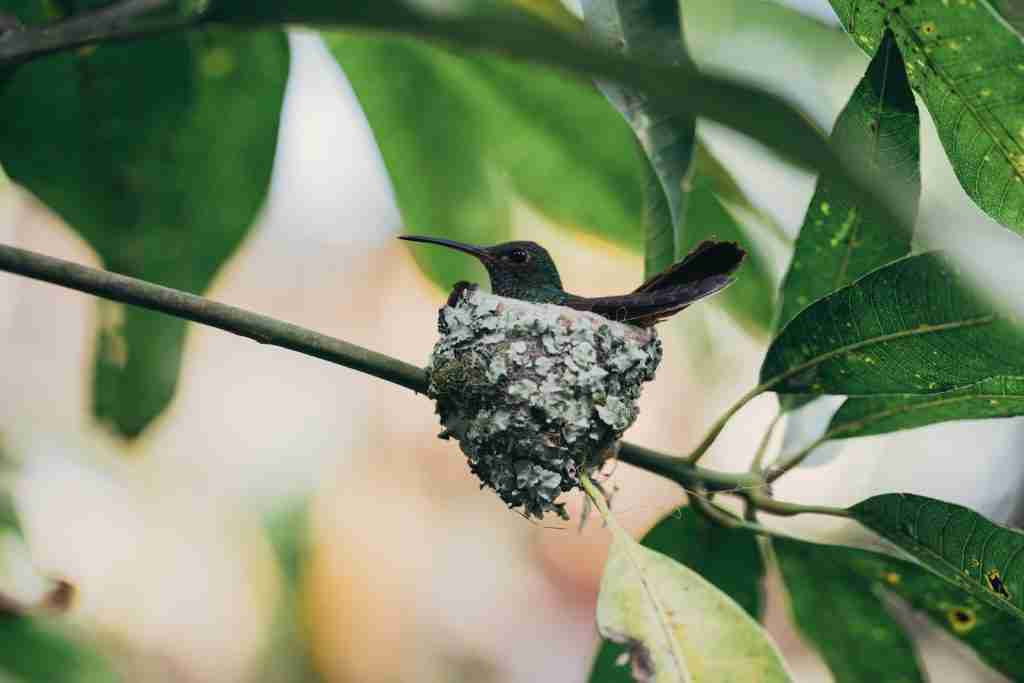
{"x":853,"y":583}
{"x":912,"y":327}
{"x":983,"y":558}
{"x":967,"y":63}
{"x":991,"y":398}
{"x":841,"y":240}
{"x":678,"y":626}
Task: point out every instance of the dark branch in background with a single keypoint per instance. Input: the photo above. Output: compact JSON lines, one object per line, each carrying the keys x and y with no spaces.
{"x":125,"y":20}
{"x":494,"y":31}
{"x":266,"y":330}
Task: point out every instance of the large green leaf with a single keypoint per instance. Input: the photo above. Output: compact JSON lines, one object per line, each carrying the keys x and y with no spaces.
{"x":840,"y":241}
{"x":495,"y":28}
{"x":993,"y":397}
{"x":996,"y":637}
{"x":678,"y":626}
{"x":33,"y":650}
{"x":159,"y":154}
{"x":968,"y":66}
{"x":857,"y":577}
{"x":543,"y":135}
{"x":912,"y":327}
{"x":729,"y":558}
{"x":489,"y":128}
{"x":984,"y":559}
{"x":434,"y":150}
{"x":857,"y":637}
{"x":651,"y":28}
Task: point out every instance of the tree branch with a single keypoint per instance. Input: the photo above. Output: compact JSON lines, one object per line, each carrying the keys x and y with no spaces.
{"x":261,"y":328}
{"x":267,"y":330}
{"x":124,"y":20}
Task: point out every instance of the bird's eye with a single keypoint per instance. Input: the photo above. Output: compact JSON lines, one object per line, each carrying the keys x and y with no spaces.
{"x":519,"y":256}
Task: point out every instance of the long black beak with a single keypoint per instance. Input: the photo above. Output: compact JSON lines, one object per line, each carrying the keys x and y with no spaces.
{"x":479,"y":252}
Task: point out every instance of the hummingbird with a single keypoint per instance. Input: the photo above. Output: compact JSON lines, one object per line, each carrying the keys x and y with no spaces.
{"x":525,"y":270}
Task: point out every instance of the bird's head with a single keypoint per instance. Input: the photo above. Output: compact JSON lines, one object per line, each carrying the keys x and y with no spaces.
{"x":514,"y":267}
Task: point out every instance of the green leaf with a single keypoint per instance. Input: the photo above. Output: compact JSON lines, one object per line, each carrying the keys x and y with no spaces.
{"x":677,"y":626}
{"x":289,"y":656}
{"x":858,"y":638}
{"x":990,"y":398}
{"x":657,"y":224}
{"x":841,"y":241}
{"x":729,"y":558}
{"x":542,"y":131}
{"x":911,"y":327}
{"x":995,"y":636}
{"x":159,"y":154}
{"x":651,"y":28}
{"x":492,"y":129}
{"x":495,"y":28}
{"x":433,"y":150}
{"x":984,"y":559}
{"x":36,"y":648}
{"x":32,"y":650}
{"x":860,"y":577}
{"x":713,"y":201}
{"x":968,"y":66}
{"x":1012,"y":11}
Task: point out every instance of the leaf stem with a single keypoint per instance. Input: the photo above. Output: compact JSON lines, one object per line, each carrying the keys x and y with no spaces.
{"x":757,"y":465}
{"x":765,"y":503}
{"x":696,"y":480}
{"x":789,"y":462}
{"x":719,"y":424}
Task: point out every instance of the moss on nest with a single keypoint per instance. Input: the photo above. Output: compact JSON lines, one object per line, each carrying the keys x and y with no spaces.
{"x":536,"y":393}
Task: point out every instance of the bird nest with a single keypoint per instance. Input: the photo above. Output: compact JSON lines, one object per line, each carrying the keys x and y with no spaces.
{"x":536,"y":394}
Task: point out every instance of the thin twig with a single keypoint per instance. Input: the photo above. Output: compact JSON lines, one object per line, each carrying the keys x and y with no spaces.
{"x":757,"y":465}
{"x":764,"y":503}
{"x":719,"y":424}
{"x":785,"y":464}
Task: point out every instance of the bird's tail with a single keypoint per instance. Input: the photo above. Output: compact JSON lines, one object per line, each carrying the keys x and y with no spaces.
{"x":710,"y":261}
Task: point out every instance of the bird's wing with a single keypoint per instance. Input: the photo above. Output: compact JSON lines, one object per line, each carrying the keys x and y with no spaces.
{"x":708,"y":259}
{"x":647,"y":308}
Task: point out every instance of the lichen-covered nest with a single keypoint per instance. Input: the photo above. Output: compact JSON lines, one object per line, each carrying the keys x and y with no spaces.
{"x":536,"y":393}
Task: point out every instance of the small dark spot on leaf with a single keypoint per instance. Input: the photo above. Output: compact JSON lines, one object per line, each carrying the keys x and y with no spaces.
{"x":642,"y":664}
{"x":996,"y":585}
{"x":962,"y":619}
{"x":60,"y":598}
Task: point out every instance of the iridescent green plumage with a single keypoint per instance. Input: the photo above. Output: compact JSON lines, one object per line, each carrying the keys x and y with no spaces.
{"x":525,"y":271}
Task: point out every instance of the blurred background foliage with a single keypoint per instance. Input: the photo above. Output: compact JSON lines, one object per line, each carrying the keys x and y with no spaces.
{"x":159,"y":154}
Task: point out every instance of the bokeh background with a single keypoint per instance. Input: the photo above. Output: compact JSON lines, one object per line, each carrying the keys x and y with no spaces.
{"x":287,"y":520}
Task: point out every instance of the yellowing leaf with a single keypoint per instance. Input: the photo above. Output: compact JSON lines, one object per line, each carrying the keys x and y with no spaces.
{"x":678,"y":626}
